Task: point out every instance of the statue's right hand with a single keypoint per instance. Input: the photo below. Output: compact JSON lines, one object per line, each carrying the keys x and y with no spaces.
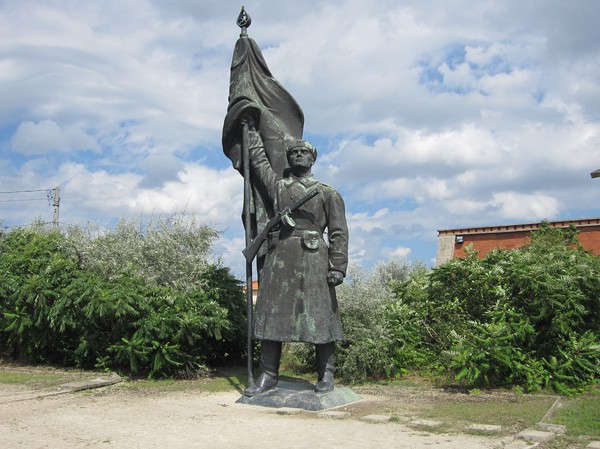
{"x":254,"y":140}
{"x":249,"y":120}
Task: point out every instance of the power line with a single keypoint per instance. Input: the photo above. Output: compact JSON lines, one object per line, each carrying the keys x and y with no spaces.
{"x":19,"y":201}
{"x":26,"y":191}
{"x":52,"y":195}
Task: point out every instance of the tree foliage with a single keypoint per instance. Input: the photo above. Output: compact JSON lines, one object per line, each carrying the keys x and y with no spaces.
{"x":528,"y":317}
{"x":142,"y":299}
{"x":145,"y":299}
{"x":369,"y":350}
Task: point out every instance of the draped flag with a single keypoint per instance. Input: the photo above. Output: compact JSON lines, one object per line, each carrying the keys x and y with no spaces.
{"x":253,"y":90}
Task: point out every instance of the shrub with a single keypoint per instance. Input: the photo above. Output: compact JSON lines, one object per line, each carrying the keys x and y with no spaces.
{"x":526,"y":317}
{"x":364,"y":301}
{"x":169,"y":251}
{"x":34,"y":270}
{"x":86,"y":301}
{"x":408,"y":314}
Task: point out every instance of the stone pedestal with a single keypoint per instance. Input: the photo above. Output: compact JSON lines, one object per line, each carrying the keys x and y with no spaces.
{"x":302,"y":395}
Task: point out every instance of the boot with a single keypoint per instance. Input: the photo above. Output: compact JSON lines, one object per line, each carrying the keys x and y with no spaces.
{"x":325,"y":367}
{"x":270,"y":355}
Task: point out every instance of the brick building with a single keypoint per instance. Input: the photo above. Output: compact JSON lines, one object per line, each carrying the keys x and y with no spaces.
{"x":452,"y":243}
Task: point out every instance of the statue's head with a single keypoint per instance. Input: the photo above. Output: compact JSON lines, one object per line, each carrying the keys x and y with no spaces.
{"x":301,"y":144}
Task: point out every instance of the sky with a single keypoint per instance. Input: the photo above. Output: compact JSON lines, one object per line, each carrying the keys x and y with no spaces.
{"x":427,"y":114}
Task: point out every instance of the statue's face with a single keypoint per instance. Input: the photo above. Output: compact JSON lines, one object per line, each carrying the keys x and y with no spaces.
{"x":300,"y":158}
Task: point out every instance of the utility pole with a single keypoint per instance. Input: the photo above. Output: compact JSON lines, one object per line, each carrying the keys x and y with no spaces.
{"x":55,"y":204}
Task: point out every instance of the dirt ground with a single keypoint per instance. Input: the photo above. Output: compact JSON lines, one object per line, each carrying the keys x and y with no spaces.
{"x":121,"y":417}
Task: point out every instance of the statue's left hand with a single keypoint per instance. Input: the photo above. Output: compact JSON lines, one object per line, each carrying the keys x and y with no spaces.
{"x":335,"y":278}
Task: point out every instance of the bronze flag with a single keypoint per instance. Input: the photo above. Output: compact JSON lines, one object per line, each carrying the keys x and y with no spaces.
{"x":277,"y":115}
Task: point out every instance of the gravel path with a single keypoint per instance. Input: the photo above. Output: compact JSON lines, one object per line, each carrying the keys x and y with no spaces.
{"x":116,"y":417}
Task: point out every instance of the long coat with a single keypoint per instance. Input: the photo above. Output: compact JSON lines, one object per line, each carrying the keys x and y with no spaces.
{"x":295,"y":302}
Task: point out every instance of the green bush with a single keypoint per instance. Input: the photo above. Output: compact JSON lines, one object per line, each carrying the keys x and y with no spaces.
{"x":145,"y":299}
{"x":93,"y":301}
{"x":168,"y":251}
{"x":364,"y":301}
{"x":527,"y":317}
{"x":34,"y":270}
{"x":408,"y":316}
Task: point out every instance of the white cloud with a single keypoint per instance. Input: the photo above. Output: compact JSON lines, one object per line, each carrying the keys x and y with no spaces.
{"x":400,"y":252}
{"x":507,"y":206}
{"x":46,"y":136}
{"x":426,"y":115}
{"x":534,"y":206}
{"x":397,"y":162}
{"x":112,"y":65}
{"x":213,"y":195}
{"x":85,"y":190}
{"x":159,"y":169}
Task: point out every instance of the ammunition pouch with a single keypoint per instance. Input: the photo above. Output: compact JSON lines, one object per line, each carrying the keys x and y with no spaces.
{"x":311,"y":240}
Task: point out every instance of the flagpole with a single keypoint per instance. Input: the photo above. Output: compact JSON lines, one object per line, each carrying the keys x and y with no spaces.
{"x":248,"y":228}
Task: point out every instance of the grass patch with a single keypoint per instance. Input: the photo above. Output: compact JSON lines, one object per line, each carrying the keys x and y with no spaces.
{"x":409,"y":380}
{"x":515,"y":413}
{"x":220,"y":381}
{"x":581,"y":414}
{"x":31,"y":380}
{"x":457,"y":408}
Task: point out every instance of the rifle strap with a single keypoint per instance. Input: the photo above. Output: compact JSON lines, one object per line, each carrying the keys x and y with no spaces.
{"x":293,"y":196}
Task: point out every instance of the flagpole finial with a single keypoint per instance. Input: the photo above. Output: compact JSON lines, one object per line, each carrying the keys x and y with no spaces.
{"x":244,"y":21}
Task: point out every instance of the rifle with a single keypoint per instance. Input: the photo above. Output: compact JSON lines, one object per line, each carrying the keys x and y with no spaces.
{"x":251,"y":250}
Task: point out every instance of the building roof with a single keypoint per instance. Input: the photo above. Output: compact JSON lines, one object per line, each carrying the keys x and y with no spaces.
{"x":580,"y":222}
{"x":254,"y":286}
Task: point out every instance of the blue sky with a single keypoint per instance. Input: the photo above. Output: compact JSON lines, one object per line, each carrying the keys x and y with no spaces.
{"x":427,"y":114}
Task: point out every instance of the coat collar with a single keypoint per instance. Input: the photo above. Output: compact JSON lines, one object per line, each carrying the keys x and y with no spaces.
{"x":306,"y":181}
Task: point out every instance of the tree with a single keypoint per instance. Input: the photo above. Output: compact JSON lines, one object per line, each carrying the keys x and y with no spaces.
{"x":527,"y":317}
{"x":139,"y":299}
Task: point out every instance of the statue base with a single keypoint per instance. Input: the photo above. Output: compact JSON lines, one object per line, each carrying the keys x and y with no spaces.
{"x":301,"y":395}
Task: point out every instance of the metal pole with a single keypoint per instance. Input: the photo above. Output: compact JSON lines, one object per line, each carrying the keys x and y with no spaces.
{"x":248,"y":228}
{"x":55,"y":204}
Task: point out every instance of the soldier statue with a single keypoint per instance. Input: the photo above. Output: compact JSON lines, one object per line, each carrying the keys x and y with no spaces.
{"x":306,"y":258}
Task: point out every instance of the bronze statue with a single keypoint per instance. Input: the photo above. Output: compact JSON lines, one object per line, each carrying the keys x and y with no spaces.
{"x":296,"y":299}
{"x":298,"y":269}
